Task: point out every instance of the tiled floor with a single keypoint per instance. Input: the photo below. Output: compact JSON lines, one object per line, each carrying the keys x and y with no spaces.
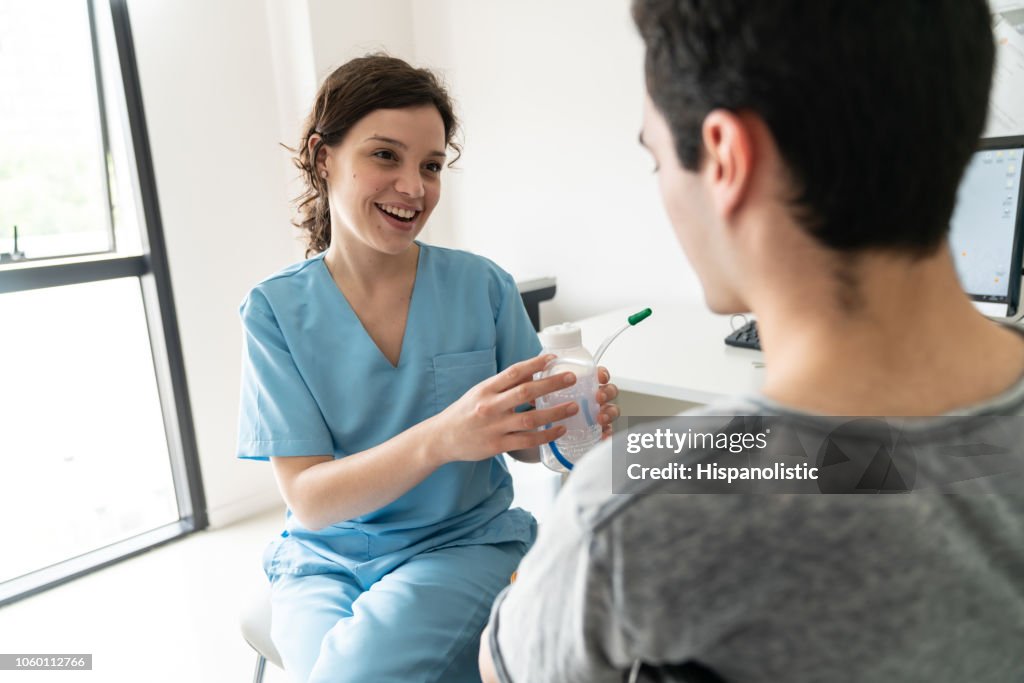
{"x":169,"y":615}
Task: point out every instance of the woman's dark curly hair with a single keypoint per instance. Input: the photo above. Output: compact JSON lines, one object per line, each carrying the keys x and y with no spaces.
{"x":353,"y":90}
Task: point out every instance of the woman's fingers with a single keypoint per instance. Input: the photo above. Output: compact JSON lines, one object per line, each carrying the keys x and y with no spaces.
{"x":538,"y":418}
{"x":519,"y":440}
{"x":609,"y":411}
{"x":606,"y":393}
{"x":515,"y":386}
{"x":529,"y":391}
{"x":608,"y":414}
{"x":514,"y":375}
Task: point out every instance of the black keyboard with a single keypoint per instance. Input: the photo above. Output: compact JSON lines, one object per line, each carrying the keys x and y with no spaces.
{"x":745,"y":337}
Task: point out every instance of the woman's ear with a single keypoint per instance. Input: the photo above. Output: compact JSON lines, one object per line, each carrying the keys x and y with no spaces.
{"x":729,"y":144}
{"x":318,"y":157}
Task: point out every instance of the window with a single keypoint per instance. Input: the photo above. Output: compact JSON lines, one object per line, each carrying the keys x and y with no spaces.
{"x":97,"y":453}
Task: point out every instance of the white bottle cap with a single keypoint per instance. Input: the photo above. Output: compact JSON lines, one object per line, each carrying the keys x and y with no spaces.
{"x":564,"y":336}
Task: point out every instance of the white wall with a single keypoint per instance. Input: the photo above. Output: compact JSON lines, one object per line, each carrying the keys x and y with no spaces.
{"x":553,"y":181}
{"x":347,"y":29}
{"x":209,"y":94}
{"x":295,"y":81}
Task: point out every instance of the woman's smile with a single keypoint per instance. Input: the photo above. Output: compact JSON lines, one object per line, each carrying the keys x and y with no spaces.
{"x":399,"y":216}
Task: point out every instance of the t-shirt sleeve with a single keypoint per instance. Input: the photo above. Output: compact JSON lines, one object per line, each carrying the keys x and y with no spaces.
{"x":516,"y":338}
{"x":557,"y":622}
{"x":278,"y":415}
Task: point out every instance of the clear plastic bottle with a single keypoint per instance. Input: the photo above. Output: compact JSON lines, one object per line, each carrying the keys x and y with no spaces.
{"x":583,"y":431}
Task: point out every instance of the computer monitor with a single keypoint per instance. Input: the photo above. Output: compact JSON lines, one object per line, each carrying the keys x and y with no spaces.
{"x":985,"y":232}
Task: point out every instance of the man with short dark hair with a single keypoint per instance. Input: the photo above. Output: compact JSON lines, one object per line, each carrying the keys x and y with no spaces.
{"x":809,"y":154}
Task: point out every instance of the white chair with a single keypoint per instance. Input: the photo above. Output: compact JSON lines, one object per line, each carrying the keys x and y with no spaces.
{"x":255,"y":621}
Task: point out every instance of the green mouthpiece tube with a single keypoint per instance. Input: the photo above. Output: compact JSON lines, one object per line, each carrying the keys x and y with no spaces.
{"x":637,"y":317}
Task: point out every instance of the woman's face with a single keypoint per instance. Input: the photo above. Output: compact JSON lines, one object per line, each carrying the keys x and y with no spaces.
{"x":384,"y":178}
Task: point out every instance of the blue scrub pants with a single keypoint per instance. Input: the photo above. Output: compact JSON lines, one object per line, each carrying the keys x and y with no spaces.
{"x":420,"y":622}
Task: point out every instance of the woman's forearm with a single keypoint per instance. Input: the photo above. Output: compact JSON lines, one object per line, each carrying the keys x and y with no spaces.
{"x":339,"y":490}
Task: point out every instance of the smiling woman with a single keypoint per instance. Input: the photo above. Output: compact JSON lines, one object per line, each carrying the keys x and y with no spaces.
{"x":347,"y":96}
{"x":382,"y":378}
{"x":384,"y":180}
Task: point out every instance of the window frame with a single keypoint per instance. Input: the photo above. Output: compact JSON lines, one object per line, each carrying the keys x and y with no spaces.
{"x":153,"y":273}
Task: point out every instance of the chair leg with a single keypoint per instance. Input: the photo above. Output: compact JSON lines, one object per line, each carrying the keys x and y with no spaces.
{"x":261,"y":664}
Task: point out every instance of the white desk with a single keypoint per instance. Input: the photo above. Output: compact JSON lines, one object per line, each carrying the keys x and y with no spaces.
{"x":677,"y":353}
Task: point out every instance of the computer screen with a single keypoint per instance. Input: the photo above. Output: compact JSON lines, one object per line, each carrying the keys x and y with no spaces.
{"x":986,"y":227}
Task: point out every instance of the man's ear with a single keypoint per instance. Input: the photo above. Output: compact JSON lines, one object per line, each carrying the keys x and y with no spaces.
{"x":730,"y":159}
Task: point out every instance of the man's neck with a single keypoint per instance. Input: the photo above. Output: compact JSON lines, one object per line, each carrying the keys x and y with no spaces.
{"x":896,"y":338}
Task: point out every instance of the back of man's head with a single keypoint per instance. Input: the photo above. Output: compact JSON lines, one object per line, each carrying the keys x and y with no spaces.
{"x":875,"y":106}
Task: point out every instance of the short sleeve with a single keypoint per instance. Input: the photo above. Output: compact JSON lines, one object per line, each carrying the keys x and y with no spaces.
{"x":278,"y":415}
{"x":516,"y":339}
{"x":558,"y":622}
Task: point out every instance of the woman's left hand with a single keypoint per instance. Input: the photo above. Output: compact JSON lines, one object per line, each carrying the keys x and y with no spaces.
{"x":605,"y":394}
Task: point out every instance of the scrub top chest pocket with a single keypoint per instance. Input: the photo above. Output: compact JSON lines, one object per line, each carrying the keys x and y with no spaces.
{"x":457,"y":373}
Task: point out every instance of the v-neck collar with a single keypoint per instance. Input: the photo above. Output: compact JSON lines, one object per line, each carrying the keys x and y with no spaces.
{"x":408,"y":316}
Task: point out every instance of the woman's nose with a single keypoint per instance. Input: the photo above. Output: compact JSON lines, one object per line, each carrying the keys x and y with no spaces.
{"x":410,"y":182}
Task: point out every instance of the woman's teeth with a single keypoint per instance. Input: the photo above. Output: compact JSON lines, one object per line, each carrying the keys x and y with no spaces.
{"x":402,"y":214}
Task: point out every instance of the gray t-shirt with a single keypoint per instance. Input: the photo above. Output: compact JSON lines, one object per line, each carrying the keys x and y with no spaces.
{"x":915,"y":587}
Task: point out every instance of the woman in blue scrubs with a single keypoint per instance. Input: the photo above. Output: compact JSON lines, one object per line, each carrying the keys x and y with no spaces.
{"x":383,"y":377}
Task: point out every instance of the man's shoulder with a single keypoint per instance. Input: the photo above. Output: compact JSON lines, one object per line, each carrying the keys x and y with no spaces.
{"x":599,"y":497}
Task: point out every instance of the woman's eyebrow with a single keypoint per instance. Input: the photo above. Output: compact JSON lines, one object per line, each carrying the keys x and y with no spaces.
{"x":401,"y":145}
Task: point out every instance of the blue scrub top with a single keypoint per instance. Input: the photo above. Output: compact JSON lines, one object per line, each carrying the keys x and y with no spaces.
{"x":315,"y":383}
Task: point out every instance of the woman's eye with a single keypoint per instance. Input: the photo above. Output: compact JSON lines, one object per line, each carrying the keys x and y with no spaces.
{"x":385,"y":154}
{"x":433,"y":167}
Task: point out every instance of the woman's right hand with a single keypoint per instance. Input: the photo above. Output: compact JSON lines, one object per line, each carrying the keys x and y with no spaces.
{"x":483,"y":422}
